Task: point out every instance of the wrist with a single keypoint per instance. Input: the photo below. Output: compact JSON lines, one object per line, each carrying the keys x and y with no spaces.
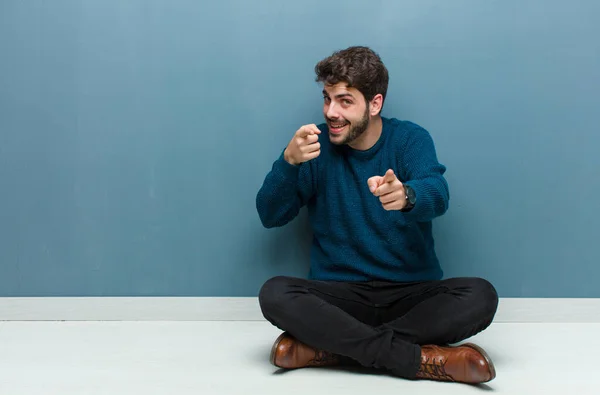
{"x":411,"y":198}
{"x":288,"y":159}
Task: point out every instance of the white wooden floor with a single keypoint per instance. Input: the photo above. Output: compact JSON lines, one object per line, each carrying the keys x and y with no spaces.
{"x":230,"y":358}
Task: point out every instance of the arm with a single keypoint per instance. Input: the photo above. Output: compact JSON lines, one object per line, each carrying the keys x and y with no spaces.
{"x":425,"y":175}
{"x":291,"y":182}
{"x":286,"y":189}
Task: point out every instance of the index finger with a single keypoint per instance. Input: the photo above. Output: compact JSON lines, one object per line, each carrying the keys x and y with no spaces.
{"x":389,"y":176}
{"x":308,"y":130}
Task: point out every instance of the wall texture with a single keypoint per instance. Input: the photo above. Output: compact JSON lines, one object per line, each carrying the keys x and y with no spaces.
{"x":135,"y":134}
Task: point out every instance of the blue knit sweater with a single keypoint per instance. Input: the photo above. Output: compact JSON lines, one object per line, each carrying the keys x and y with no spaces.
{"x":354,"y":238}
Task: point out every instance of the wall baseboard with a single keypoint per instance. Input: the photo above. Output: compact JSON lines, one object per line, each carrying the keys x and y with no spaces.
{"x":247,"y":309}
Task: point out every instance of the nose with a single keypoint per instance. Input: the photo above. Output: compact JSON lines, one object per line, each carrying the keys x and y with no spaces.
{"x":331,"y":112}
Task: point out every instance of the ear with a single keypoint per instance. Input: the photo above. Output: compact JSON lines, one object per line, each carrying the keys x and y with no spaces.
{"x":376,"y":104}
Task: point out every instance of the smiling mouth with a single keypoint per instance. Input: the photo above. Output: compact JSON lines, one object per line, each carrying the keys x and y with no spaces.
{"x":337,"y":127}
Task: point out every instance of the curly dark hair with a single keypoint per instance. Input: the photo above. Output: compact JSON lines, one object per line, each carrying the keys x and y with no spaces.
{"x":360,"y":67}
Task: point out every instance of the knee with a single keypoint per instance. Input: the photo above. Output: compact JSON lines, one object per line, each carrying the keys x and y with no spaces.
{"x":272,"y":293}
{"x":487,"y":296}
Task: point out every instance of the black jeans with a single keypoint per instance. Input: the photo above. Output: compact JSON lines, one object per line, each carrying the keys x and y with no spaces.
{"x":379,"y":324}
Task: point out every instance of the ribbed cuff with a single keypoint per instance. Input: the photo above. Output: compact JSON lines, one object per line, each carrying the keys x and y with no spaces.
{"x":286,"y":170}
{"x":422,"y":207}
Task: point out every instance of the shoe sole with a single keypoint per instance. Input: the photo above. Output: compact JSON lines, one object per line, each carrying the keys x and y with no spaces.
{"x":486,"y":357}
{"x":274,"y":348}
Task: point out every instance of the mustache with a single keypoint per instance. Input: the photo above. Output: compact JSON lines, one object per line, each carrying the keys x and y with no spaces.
{"x":336,"y":120}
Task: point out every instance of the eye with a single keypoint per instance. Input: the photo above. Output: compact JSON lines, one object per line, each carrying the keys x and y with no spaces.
{"x":347,"y":102}
{"x":326,"y":98}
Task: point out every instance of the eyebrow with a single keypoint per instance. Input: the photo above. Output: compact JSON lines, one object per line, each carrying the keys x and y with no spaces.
{"x":341,"y":95}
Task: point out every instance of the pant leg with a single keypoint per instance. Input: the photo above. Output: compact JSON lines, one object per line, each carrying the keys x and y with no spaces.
{"x":335,"y":317}
{"x":442,"y":312}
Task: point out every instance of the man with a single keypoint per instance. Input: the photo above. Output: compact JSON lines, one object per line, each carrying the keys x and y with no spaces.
{"x":374,"y":296}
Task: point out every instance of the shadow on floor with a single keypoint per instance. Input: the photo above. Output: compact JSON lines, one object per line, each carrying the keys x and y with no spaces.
{"x":260,"y":355}
{"x":374,"y":372}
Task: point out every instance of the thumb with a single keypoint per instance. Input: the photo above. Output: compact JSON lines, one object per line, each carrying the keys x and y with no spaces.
{"x":374,"y":182}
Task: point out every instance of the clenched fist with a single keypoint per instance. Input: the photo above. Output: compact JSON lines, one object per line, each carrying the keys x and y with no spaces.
{"x":304,"y":145}
{"x":389,"y":189}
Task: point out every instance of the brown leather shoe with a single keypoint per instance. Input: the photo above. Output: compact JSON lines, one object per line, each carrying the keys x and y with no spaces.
{"x":289,"y":353}
{"x":467,"y":363}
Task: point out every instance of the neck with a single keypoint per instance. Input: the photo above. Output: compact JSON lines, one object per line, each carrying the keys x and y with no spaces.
{"x":370,"y":136}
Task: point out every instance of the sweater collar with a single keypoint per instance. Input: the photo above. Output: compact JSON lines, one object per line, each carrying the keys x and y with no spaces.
{"x":371,"y":152}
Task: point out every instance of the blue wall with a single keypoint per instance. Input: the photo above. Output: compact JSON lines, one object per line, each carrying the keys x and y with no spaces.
{"x":135,"y":134}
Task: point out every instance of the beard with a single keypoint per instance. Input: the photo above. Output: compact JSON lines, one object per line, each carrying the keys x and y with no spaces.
{"x":356,"y":129}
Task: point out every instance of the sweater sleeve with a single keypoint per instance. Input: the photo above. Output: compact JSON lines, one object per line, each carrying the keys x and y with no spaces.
{"x":425,"y":175}
{"x":285,"y":190}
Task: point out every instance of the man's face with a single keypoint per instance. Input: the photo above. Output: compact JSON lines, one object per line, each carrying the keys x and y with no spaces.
{"x":346,"y":112}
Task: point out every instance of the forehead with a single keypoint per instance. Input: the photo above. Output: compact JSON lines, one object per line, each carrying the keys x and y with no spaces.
{"x":339,"y":89}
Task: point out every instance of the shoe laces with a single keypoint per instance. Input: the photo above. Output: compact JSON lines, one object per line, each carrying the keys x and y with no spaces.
{"x":435,"y":368}
{"x":323,"y":357}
